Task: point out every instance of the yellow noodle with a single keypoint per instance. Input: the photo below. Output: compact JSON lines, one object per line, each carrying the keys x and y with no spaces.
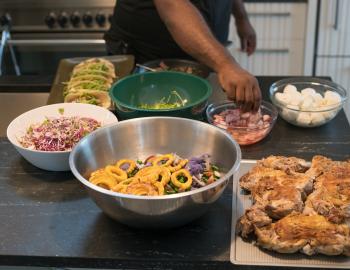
{"x":132,"y":165}
{"x":182,"y":163}
{"x":116,"y":173}
{"x":177,"y":183}
{"x":168,"y":157}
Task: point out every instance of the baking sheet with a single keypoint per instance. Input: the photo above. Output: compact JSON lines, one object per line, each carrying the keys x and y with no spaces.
{"x":246,"y":253}
{"x":124,"y":64}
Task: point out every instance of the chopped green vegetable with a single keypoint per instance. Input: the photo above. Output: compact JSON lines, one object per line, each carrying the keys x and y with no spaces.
{"x":166,"y":104}
{"x":61,"y":111}
{"x":131,"y":174}
{"x":214,"y":168}
{"x":205,"y":178}
{"x":139,"y":162}
{"x":174,"y":187}
{"x":182,"y":179}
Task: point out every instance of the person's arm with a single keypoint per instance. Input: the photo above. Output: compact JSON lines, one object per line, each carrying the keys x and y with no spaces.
{"x":191,"y":33}
{"x":245,"y":30}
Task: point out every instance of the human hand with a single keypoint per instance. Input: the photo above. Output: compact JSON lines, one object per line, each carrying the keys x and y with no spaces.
{"x":246,"y":35}
{"x":240,"y":86}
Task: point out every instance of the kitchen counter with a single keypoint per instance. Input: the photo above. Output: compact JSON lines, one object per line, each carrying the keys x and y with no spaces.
{"x":47,"y":219}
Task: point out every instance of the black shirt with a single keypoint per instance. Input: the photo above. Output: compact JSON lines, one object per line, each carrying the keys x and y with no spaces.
{"x":136,"y":28}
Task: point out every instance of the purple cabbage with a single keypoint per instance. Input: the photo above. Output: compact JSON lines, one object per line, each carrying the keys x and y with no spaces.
{"x":125,"y":166}
{"x":196,"y":165}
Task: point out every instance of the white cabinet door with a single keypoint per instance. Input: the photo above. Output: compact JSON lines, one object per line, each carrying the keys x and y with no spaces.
{"x":339,"y":69}
{"x":280,"y":29}
{"x":334,"y":28}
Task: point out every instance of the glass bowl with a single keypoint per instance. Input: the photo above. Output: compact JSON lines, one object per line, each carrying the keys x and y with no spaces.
{"x":311,"y":117}
{"x":243,"y":135}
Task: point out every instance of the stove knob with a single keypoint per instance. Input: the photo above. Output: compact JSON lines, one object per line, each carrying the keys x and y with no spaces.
{"x":75,"y":19}
{"x":101,"y":19}
{"x":51,"y":19}
{"x":110,"y":17}
{"x":5,"y":20}
{"x":63,"y":19}
{"x":88,"y":19}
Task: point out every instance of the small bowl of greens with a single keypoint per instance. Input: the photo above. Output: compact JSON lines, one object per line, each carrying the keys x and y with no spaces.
{"x":164,"y":93}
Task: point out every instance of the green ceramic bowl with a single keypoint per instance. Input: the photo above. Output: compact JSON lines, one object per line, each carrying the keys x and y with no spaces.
{"x":151,"y":87}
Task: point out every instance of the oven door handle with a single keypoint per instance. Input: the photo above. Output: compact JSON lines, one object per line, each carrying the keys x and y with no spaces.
{"x":54,"y":42}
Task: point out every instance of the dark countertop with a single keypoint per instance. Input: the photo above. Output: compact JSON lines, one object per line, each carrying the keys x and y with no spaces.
{"x":275,"y":1}
{"x":46,"y":218}
{"x":12,"y":83}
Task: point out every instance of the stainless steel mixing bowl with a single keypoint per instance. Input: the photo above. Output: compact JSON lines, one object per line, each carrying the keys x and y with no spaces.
{"x":140,"y":138}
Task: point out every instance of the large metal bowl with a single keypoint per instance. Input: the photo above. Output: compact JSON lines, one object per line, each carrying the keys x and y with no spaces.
{"x":142,"y":137}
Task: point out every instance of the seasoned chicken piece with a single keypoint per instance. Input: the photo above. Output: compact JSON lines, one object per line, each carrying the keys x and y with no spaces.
{"x":254,"y":216}
{"x":319,"y":165}
{"x":275,"y":197}
{"x":250,"y":179}
{"x":273,"y":166}
{"x":278,"y":199}
{"x":331,"y":197}
{"x":286,"y":164}
{"x":283,"y":183}
{"x":308,"y":234}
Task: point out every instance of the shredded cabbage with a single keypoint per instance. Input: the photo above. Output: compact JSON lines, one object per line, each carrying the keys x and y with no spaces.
{"x":58,"y":134}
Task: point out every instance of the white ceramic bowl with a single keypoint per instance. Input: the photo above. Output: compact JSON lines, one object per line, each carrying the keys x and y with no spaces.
{"x":53,"y":160}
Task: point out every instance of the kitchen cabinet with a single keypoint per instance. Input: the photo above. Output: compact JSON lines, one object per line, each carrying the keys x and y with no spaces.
{"x":333,"y":43}
{"x":280,"y":29}
{"x":339,"y":69}
{"x":334,"y":28}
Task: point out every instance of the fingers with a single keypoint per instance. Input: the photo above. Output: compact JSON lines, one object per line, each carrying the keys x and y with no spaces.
{"x":231,"y":93}
{"x":244,"y":44}
{"x":257,"y":97}
{"x":241,"y":87}
{"x":251,"y":94}
{"x":248,"y":99}
{"x":251,"y":44}
{"x":240,"y":95}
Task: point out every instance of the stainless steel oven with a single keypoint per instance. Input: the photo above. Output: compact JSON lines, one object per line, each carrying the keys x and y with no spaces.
{"x":36,"y":34}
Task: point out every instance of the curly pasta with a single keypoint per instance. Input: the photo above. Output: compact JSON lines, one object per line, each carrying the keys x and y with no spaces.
{"x":158,"y":175}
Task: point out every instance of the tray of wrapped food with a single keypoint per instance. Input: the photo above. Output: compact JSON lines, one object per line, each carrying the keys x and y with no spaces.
{"x":88,"y":80}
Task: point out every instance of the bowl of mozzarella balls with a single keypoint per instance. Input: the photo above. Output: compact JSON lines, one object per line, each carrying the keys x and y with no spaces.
{"x":307,"y":102}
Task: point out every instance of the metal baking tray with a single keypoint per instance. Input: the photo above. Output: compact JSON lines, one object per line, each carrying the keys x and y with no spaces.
{"x":246,"y":253}
{"x":124,"y":64}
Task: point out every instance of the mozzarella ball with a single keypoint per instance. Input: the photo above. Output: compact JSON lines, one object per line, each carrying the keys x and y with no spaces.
{"x":282,"y":98}
{"x":308,"y":104}
{"x":304,"y":118}
{"x":296,"y":99}
{"x":317,"y":118}
{"x":332,"y":98}
{"x":290,"y":89}
{"x":308,"y":92}
{"x":317,"y":96}
{"x":331,"y":94}
{"x":288,"y":114}
{"x":321,"y":103}
{"x":329,"y":114}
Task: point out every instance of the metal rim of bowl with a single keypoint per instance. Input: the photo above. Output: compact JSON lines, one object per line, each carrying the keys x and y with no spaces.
{"x":198,"y":65}
{"x":311,"y":81}
{"x":162,"y":197}
{"x":17,"y":144}
{"x":267,"y":105}
{"x":201,"y":100}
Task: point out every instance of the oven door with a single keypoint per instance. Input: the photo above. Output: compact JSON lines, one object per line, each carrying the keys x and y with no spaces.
{"x":40,"y":53}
